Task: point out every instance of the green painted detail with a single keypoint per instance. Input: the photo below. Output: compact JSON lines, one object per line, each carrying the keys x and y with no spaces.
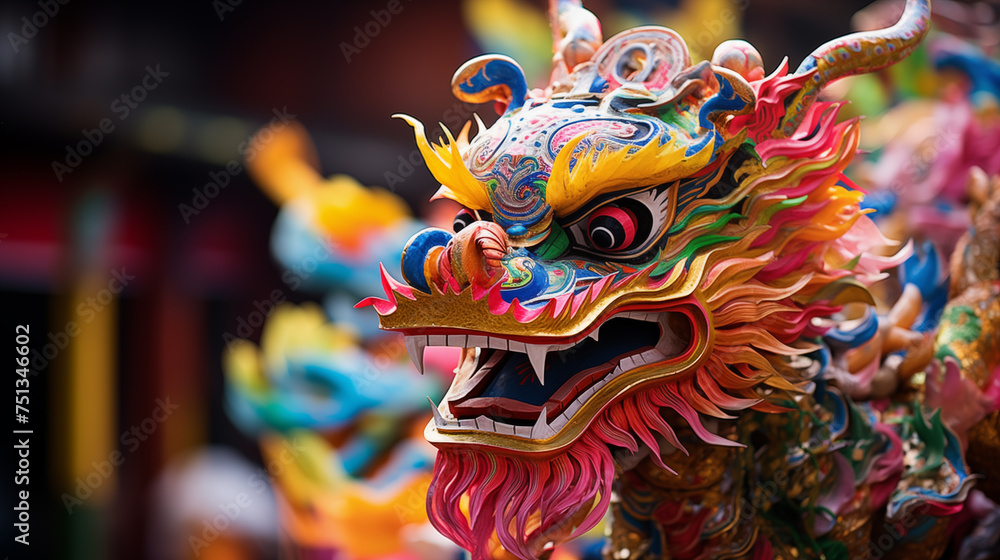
{"x":554,"y":245}
{"x":491,"y":186}
{"x":932,"y":435}
{"x":518,"y":276}
{"x":677,"y":227}
{"x":681,"y":120}
{"x":783,"y":205}
{"x":698,"y":244}
{"x":853,"y":263}
{"x":959,"y":324}
{"x":541,"y":185}
{"x":862,"y":435}
{"x":721,"y":222}
{"x":833,"y":550}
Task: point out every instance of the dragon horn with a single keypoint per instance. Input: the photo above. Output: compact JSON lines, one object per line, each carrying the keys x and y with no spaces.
{"x":576,"y":36}
{"x":857,"y":53}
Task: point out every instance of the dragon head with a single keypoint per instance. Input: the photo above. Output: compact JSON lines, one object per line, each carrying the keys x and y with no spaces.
{"x":644,"y":248}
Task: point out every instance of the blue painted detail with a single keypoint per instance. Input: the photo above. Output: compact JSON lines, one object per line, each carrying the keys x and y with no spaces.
{"x":856,"y":336}
{"x":499,"y":73}
{"x":290,"y":400}
{"x":807,"y":65}
{"x":407,"y":458}
{"x":983,"y":72}
{"x":923,"y":270}
{"x":528,"y":277}
{"x":517,"y":231}
{"x":725,"y":100}
{"x":574,"y":103}
{"x":594,"y":550}
{"x":316,"y":266}
{"x":882,"y":202}
{"x":599,"y":85}
{"x":836,"y":405}
{"x":824,"y":357}
{"x":933,"y":308}
{"x":415,"y":254}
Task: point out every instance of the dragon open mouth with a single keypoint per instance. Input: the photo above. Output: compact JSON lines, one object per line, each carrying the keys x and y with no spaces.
{"x":533,"y":390}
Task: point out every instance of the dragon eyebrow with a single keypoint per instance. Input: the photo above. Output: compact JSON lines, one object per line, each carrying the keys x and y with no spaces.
{"x":447,"y":166}
{"x":580,"y":174}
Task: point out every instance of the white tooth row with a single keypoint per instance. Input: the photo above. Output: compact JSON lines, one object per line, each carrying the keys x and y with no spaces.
{"x":640,"y":316}
{"x":415,"y":345}
{"x":537,"y":353}
{"x":542,"y":429}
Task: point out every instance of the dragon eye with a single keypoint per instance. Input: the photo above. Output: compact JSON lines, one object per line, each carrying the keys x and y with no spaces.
{"x":463,"y":219}
{"x":612,"y":228}
{"x":623,"y":229}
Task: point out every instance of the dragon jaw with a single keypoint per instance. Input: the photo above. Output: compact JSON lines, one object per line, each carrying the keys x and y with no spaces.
{"x":693,"y":219}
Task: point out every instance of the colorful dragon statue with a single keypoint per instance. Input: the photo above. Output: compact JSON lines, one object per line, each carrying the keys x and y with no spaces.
{"x":659,"y":286}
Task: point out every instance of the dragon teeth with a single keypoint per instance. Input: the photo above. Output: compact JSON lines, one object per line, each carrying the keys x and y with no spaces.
{"x":541,"y":422}
{"x":478,"y":341}
{"x":437,"y":340}
{"x":593,"y":333}
{"x":536,"y":354}
{"x":485,"y":424}
{"x":652,"y":356}
{"x":438,"y":418}
{"x":505,"y":429}
{"x":415,"y":346}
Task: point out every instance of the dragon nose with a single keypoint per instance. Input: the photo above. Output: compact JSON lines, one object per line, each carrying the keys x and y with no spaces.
{"x":471,"y":256}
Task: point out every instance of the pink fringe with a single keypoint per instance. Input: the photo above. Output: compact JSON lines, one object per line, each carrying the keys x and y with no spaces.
{"x":507,"y":492}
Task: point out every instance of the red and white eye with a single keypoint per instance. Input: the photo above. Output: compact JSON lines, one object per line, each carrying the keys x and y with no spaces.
{"x":463,"y":219}
{"x":623,"y":229}
{"x":612,"y":229}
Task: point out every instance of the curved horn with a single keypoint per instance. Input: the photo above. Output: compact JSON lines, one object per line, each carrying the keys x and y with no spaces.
{"x":857,"y":53}
{"x":576,"y":35}
{"x":491,"y":77}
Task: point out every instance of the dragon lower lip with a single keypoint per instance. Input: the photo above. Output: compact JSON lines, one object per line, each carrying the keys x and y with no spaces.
{"x":501,"y":392}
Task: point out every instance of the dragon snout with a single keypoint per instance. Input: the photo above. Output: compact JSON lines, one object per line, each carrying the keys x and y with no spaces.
{"x":471,"y":256}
